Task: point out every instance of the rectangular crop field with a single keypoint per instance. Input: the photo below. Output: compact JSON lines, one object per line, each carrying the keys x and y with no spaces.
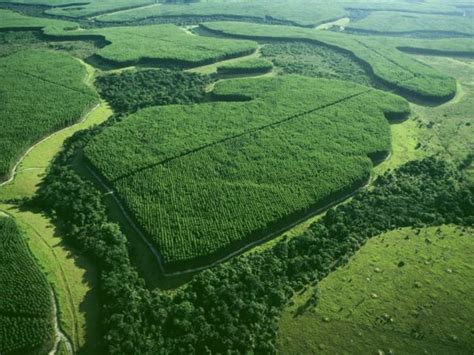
{"x":205,"y":179}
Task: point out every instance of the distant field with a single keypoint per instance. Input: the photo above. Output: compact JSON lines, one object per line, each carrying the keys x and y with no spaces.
{"x":313,"y":60}
{"x":10,"y":19}
{"x":301,"y":13}
{"x":159,"y":44}
{"x":385,"y":22}
{"x":42,"y":91}
{"x":94,"y":7}
{"x":220,"y":174}
{"x":388,"y":64}
{"x":26,"y":308}
{"x":406,"y":291}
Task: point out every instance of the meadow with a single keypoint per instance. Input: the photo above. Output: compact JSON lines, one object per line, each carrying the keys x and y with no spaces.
{"x":57,"y":97}
{"x":167,"y":45}
{"x":399,"y":23}
{"x":389,"y":66}
{"x":14,"y":20}
{"x":26,"y":309}
{"x":228,"y":187}
{"x":403,"y":292}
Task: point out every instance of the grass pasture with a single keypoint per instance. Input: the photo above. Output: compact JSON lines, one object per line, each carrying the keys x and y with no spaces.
{"x":42,"y":91}
{"x":26,"y":306}
{"x":158,"y":45}
{"x":227,"y":187}
{"x":391,"y":67}
{"x":405,"y":291}
{"x":399,"y":23}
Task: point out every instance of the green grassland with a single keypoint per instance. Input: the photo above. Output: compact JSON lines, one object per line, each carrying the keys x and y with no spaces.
{"x":159,"y":44}
{"x":427,"y":7}
{"x":215,"y":183}
{"x":405,"y":291}
{"x":385,"y":22}
{"x":26,"y":308}
{"x":390,"y":66}
{"x":57,"y":97}
{"x":299,"y":13}
{"x":249,"y":66}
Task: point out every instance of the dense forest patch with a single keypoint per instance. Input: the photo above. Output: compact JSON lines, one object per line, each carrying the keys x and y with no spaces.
{"x":217,"y":175}
{"x":26,"y":308}
{"x":385,"y":22}
{"x":159,"y":44}
{"x":315,"y":61}
{"x":389,"y":66}
{"x":404,"y":291}
{"x":42,"y":91}
{"x":132,"y":90}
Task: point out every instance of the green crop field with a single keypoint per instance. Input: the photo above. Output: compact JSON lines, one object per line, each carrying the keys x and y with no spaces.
{"x":249,"y":66}
{"x":26,"y":309}
{"x":159,"y":44}
{"x":402,"y":23}
{"x":215,"y":183}
{"x":406,"y":291}
{"x":300,"y":13}
{"x":388,"y":64}
{"x":42,"y":91}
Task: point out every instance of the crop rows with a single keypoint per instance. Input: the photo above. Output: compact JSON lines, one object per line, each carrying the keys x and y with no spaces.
{"x":26,"y":311}
{"x":217,"y":175}
{"x":42,"y":91}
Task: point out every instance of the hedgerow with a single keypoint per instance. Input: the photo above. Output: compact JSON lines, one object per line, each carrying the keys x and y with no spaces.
{"x":199,"y":186}
{"x":26,"y":310}
{"x":42,"y":91}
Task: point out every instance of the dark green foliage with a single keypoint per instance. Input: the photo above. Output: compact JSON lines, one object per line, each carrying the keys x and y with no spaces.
{"x":132,"y":90}
{"x":235,"y":306}
{"x":249,"y":66}
{"x":26,"y":310}
{"x":315,"y":61}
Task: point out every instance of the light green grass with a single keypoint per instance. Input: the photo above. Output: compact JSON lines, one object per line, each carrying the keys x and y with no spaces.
{"x":404,"y":292}
{"x":72,"y":276}
{"x":10,"y":19}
